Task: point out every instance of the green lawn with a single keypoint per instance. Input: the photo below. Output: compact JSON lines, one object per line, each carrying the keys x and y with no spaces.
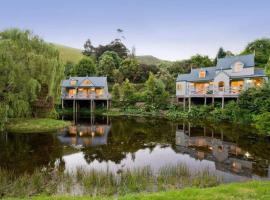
{"x":235,"y":191}
{"x":40,"y":125}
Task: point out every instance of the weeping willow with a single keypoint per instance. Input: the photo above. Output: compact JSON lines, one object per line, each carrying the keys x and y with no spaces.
{"x":30,"y":75}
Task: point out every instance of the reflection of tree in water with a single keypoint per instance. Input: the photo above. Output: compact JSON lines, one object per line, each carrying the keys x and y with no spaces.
{"x":27,"y":152}
{"x":128,"y":135}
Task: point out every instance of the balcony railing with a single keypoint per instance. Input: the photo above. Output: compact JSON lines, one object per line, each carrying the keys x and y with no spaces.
{"x":86,"y":96}
{"x":216,"y":91}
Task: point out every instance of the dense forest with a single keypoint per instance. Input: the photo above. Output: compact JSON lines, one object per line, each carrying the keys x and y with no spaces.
{"x":31,"y":72}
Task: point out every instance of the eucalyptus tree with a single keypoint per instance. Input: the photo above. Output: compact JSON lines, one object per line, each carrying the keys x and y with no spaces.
{"x":30,"y":74}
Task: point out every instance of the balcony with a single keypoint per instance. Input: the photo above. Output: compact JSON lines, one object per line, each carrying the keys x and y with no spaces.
{"x":215,"y":91}
{"x":83,"y":96}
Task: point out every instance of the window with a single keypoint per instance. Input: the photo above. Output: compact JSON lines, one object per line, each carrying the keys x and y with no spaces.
{"x":221,"y":86}
{"x":99,"y":92}
{"x":202,"y":74}
{"x":73,"y":82}
{"x":237,"y":66}
{"x":71,"y":92}
{"x":179,"y":87}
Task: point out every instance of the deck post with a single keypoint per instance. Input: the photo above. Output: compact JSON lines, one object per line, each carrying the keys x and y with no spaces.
{"x":222,"y":104}
{"x":184,"y":103}
{"x":189,"y":103}
{"x":107,"y":104}
{"x":213,"y":100}
{"x":189,"y":129}
{"x":204,"y":100}
{"x":91,"y":105}
{"x":62,"y":103}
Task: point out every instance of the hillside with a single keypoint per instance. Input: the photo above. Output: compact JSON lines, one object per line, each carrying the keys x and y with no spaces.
{"x":69,"y":53}
{"x":149,"y":60}
{"x":74,"y":55}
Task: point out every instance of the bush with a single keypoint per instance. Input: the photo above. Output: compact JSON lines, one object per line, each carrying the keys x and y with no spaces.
{"x":262,"y":123}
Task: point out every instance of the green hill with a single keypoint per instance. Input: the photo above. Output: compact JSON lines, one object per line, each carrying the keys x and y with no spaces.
{"x":74,"y":55}
{"x":69,"y":53}
{"x":149,"y":60}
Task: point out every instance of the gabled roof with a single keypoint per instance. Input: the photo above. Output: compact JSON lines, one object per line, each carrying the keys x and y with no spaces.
{"x":226,"y":63}
{"x":96,"y":81}
{"x":194,"y":75}
{"x":257,"y":73}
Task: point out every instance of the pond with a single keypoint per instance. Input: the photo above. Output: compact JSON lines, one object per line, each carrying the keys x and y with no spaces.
{"x":119,"y":143}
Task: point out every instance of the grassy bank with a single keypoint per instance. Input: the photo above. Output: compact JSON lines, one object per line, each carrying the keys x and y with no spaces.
{"x":134,"y":112}
{"x":104,"y":183}
{"x":40,"y":125}
{"x":235,"y":191}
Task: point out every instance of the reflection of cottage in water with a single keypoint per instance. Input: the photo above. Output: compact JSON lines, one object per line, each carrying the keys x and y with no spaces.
{"x":85,"y":135}
{"x":226,"y":155}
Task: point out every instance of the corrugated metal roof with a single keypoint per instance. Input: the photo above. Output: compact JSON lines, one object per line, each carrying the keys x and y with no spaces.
{"x":194,"y":75}
{"x":257,"y":73}
{"x":223,"y":63}
{"x":96,"y":81}
{"x":226,"y":63}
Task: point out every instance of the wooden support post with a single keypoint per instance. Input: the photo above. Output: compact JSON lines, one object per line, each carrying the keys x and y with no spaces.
{"x":184,"y":103}
{"x":107,"y":104}
{"x":222,"y":135}
{"x":189,"y":103}
{"x":205,"y":101}
{"x":74,"y":110}
{"x":213,"y":100}
{"x":222,"y":104}
{"x":62,"y":103}
{"x":189,"y":129}
{"x":91,"y":107}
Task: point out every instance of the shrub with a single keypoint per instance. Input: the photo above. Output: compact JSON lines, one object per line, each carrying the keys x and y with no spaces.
{"x":262,"y":123}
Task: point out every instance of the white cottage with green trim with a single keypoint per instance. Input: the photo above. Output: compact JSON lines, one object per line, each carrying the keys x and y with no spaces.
{"x":227,"y":79}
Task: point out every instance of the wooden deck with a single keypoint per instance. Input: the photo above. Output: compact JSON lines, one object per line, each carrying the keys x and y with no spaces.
{"x":87,"y":97}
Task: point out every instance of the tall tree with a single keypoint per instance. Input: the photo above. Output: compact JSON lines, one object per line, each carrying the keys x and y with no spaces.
{"x":116,"y":93}
{"x":116,"y":46}
{"x":108,"y":63}
{"x":30,"y":74}
{"x":220,"y":54}
{"x":156,"y":94}
{"x":69,"y":69}
{"x":89,"y":49}
{"x":128,"y":91}
{"x":261,"y":48}
{"x":201,"y":61}
{"x":86,"y":67}
{"x":131,"y":69}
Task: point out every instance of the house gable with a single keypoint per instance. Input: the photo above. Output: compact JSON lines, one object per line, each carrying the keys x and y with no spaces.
{"x":87,"y":82}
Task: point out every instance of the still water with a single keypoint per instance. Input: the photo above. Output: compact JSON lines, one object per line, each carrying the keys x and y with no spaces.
{"x":119,"y":143}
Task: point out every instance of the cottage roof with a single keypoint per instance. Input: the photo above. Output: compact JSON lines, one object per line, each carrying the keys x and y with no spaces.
{"x":222,"y":64}
{"x":227,"y":62}
{"x":194,"y":75}
{"x":96,"y":81}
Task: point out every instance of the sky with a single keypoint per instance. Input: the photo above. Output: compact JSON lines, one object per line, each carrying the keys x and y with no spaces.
{"x":167,"y":29}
